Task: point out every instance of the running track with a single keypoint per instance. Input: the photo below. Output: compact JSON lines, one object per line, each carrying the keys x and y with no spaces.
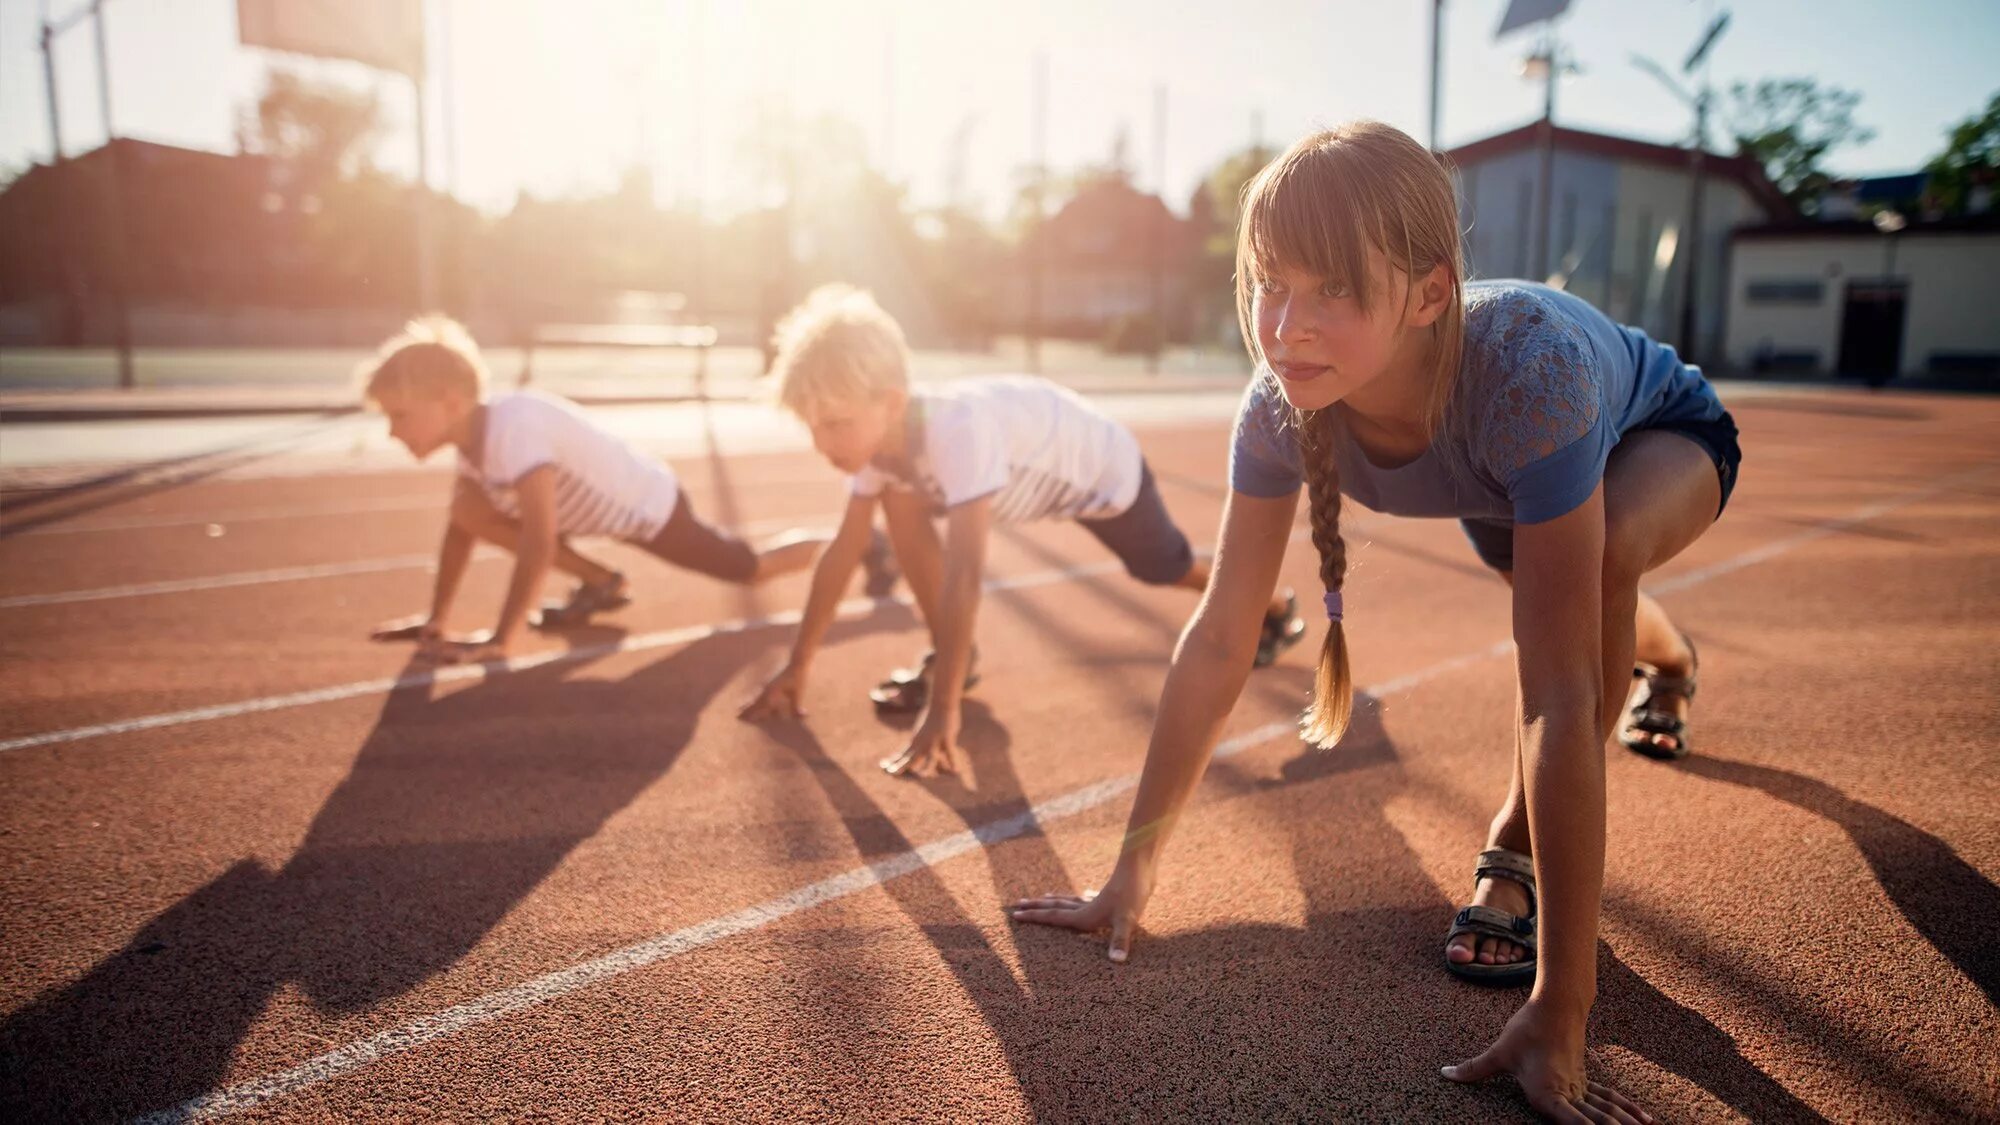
{"x":252,"y":865}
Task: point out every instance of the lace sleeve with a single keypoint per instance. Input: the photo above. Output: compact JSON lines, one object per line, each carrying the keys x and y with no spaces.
{"x":1264,"y":450}
{"x":1543,"y":433}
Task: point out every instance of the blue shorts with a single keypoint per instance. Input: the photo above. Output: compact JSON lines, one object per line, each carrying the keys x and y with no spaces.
{"x":1145,"y":538}
{"x":1493,"y":540}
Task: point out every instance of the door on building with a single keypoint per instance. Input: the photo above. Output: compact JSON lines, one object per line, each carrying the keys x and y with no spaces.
{"x":1871,"y":330}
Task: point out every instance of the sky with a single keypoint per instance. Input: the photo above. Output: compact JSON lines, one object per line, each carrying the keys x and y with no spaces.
{"x":559,"y":98}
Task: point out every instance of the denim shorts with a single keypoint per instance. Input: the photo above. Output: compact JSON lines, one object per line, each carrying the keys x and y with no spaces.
{"x":1493,"y":540}
{"x":689,"y":541}
{"x":1145,"y":538}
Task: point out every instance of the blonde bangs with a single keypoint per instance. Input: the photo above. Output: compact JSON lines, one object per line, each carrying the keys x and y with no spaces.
{"x":1301,"y":214}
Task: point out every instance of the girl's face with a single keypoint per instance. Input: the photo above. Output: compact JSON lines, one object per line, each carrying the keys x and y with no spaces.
{"x":850,"y":433}
{"x":1316,"y":338}
{"x":422,"y":423}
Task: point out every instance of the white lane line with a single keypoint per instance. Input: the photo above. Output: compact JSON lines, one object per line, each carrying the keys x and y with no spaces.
{"x":549,"y":986}
{"x":452,"y":674}
{"x":285,"y":574}
{"x":435,"y":503}
{"x":248,"y":515}
{"x":1818,"y":531}
{"x":225,"y":581}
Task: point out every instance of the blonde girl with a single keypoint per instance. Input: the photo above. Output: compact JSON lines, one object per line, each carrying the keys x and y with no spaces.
{"x":1579,"y":454}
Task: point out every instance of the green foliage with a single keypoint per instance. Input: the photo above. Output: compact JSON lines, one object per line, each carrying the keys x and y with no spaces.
{"x":1789,"y":125}
{"x":1971,"y":153}
{"x":323,"y":132}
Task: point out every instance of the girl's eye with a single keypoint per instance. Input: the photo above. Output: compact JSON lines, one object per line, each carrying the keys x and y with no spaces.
{"x":1268,"y":286}
{"x":1333,"y":289}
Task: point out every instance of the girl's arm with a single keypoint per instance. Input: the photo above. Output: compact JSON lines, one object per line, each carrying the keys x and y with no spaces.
{"x":933,"y":745}
{"x":534,"y":552}
{"x":1559,"y":636}
{"x":1210,"y":665}
{"x":1559,"y":632}
{"x":453,"y":555}
{"x":831,"y":574}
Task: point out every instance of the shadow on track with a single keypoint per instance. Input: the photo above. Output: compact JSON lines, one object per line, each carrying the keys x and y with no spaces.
{"x":1944,"y":897}
{"x":1347,"y":1016}
{"x":147,"y":478}
{"x":457,"y":806}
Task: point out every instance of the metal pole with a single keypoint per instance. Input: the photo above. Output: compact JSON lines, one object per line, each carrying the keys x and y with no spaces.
{"x":1541,"y":257}
{"x":1437,"y":55}
{"x":49,"y":77}
{"x":114,"y":206}
{"x":1691,"y":283}
{"x":448,"y":126}
{"x":426,"y":249}
{"x":1039,"y":116}
{"x":1157,"y":339}
{"x":698,"y":302}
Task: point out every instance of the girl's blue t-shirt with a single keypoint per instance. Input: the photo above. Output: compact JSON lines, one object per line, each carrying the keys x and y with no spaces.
{"x":1547,"y":386}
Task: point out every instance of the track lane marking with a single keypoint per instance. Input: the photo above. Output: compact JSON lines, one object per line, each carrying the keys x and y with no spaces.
{"x":552,"y":985}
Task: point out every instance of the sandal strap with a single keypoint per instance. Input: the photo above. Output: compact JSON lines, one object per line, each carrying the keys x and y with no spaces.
{"x":1658,"y":722}
{"x":1682,"y":686}
{"x":1505,"y":863}
{"x":1488,"y":922}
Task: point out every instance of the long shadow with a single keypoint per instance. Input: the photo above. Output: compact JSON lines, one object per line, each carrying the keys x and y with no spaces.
{"x":105,"y":489}
{"x":1630,"y":1012}
{"x":1944,"y":897}
{"x":456,"y":808}
{"x":1346,"y":1017}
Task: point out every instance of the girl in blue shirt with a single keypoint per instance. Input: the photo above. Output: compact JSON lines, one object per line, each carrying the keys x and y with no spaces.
{"x":1579,"y":455}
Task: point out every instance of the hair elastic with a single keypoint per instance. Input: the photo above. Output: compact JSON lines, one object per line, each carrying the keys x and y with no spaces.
{"x":1333,"y":611}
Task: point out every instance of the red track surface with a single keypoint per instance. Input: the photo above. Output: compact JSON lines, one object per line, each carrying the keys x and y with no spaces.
{"x":1800,"y":920}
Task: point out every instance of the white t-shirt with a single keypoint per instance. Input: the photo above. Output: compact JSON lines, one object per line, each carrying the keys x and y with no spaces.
{"x":603,"y":485}
{"x":1038,"y":449}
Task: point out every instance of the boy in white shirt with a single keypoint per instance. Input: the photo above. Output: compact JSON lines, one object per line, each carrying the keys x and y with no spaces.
{"x":534,"y":471}
{"x":984,"y":451}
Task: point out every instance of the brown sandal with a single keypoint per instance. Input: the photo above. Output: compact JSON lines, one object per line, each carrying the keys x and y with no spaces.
{"x":1643,"y":720}
{"x":1485,"y":921}
{"x":908,"y":690}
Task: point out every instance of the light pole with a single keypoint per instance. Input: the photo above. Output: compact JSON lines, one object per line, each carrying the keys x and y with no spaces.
{"x":1437,"y":58}
{"x":1547,"y":63}
{"x":1699,"y":101}
{"x":110,"y":190}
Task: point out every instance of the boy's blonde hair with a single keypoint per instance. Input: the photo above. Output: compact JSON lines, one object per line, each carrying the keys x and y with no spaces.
{"x":837,"y":345}
{"x":432,"y":357}
{"x":1319,"y":208}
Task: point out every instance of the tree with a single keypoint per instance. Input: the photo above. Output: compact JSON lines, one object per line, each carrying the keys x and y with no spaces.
{"x":1214,"y":210}
{"x":320,"y":131}
{"x":1789,"y":125}
{"x":1972,"y":155}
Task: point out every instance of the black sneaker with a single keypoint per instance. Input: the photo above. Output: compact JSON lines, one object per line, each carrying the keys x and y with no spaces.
{"x":584,"y":601}
{"x":1281,"y":631}
{"x":879,"y":566}
{"x":908,"y":690}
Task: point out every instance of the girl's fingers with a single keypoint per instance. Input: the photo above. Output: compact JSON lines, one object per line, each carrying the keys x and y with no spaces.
{"x":1048,"y":902}
{"x":1053,"y":916}
{"x":1623,"y":1101}
{"x":1626,"y":1109}
{"x":1121,"y":938}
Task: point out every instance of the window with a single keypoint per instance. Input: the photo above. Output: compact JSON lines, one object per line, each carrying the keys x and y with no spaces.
{"x":1786,"y":291}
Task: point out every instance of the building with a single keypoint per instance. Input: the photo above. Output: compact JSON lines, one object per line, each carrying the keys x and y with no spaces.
{"x":1618,"y":221}
{"x":1112,"y":254}
{"x":1889,"y":297}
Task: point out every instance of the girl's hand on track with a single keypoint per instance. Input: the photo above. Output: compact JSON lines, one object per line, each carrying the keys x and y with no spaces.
{"x":1544,"y":1053}
{"x":1115,"y":908}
